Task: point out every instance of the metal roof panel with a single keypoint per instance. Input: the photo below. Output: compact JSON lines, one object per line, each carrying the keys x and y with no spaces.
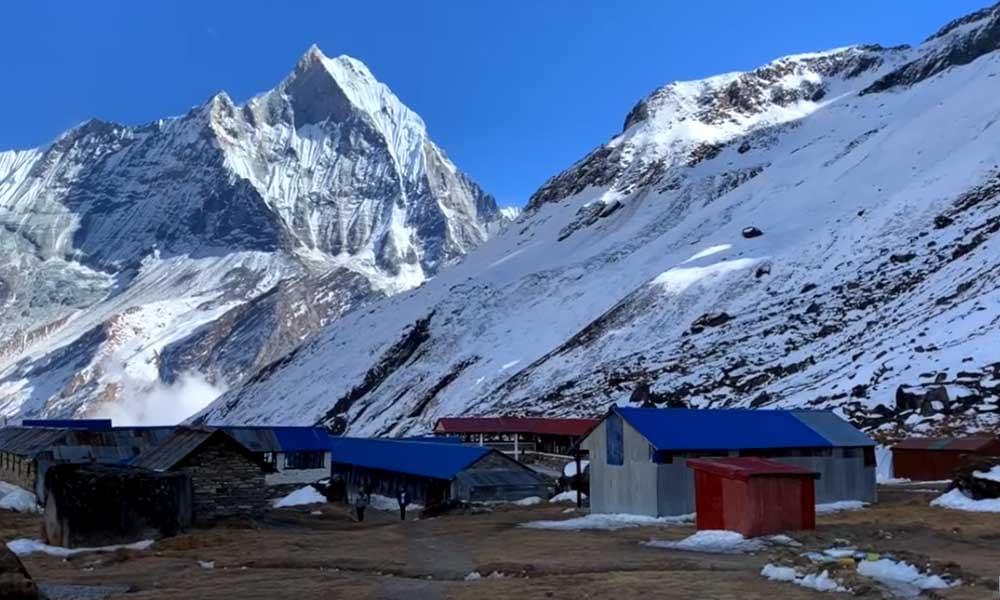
{"x":744,"y":467}
{"x":729,"y":429}
{"x":423,"y":459}
{"x":836,"y":430}
{"x":967,"y":444}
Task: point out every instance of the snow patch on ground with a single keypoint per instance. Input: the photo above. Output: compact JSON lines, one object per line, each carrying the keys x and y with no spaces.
{"x":300,"y":497}
{"x":715,"y":541}
{"x":476,"y":576}
{"x":608,"y":522}
{"x":840,"y":506}
{"x":567,"y":496}
{"x":380,"y":502}
{"x":24,"y":546}
{"x":895,"y":481}
{"x":821,"y":582}
{"x":17,"y":499}
{"x":956,"y":500}
{"x":901,"y":577}
{"x":529,"y":501}
{"x":678,"y":279}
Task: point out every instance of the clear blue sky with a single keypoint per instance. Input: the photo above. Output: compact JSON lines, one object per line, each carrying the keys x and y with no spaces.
{"x":513,"y":90}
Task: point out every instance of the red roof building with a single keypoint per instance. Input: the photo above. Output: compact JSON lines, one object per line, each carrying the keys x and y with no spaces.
{"x":753,"y":496}
{"x":518,"y":434}
{"x":935,"y":459}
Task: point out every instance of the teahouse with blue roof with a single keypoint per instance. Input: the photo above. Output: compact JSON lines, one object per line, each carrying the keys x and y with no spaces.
{"x":637,"y":455}
{"x":434,"y":473}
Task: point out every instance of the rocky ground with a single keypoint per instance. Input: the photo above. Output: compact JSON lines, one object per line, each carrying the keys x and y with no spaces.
{"x":298,"y":553}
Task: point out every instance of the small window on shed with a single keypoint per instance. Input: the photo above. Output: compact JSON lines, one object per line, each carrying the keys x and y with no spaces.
{"x":615,"y":440}
{"x":869,"y":452}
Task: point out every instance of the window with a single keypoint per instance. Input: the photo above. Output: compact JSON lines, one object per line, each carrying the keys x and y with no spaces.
{"x":615,"y":439}
{"x":304,"y":460}
{"x":869,"y":452}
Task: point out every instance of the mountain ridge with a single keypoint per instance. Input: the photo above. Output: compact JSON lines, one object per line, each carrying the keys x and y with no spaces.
{"x":186,"y":237}
{"x":790,"y":236}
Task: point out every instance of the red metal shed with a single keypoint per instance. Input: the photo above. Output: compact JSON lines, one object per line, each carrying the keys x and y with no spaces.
{"x":754,"y":496}
{"x":932,"y":459}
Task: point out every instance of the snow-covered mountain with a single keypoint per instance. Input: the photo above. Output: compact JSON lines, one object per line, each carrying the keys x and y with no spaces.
{"x":820,"y":231}
{"x":207,"y":245}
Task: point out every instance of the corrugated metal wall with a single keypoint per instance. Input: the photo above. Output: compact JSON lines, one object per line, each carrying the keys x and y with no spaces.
{"x":840,"y":478}
{"x":925,"y":464}
{"x":630,"y":488}
{"x":675,"y":489}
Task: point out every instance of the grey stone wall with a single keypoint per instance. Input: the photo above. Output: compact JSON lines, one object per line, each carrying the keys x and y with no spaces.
{"x":226,"y":483}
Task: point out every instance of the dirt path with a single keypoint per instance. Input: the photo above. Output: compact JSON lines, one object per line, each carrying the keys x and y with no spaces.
{"x":293,"y":554}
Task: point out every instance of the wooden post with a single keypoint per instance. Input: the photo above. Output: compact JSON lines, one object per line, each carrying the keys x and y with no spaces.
{"x":517,"y":454}
{"x":578,"y":478}
{"x":481,"y":436}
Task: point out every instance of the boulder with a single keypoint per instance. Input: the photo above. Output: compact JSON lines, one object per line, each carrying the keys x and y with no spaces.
{"x":922,"y":399}
{"x":710,"y":320}
{"x":15,"y":582}
{"x":641,"y":395}
{"x":974,"y":487}
{"x":752,"y":232}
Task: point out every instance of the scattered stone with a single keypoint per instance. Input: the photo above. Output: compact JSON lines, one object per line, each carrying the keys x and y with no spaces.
{"x":942,"y":221}
{"x":828,"y":329}
{"x":751,"y":232}
{"x":710,"y":320}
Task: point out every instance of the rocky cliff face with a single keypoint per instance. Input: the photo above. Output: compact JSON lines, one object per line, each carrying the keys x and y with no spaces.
{"x":217,"y":241}
{"x":821,"y":231}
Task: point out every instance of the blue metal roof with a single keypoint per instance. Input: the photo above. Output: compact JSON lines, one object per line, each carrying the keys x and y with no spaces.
{"x":437,"y":439}
{"x":838,"y":431}
{"x":91,"y":424}
{"x":692,"y":429}
{"x":280,"y":438}
{"x":299,"y":439}
{"x":423,"y":459}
